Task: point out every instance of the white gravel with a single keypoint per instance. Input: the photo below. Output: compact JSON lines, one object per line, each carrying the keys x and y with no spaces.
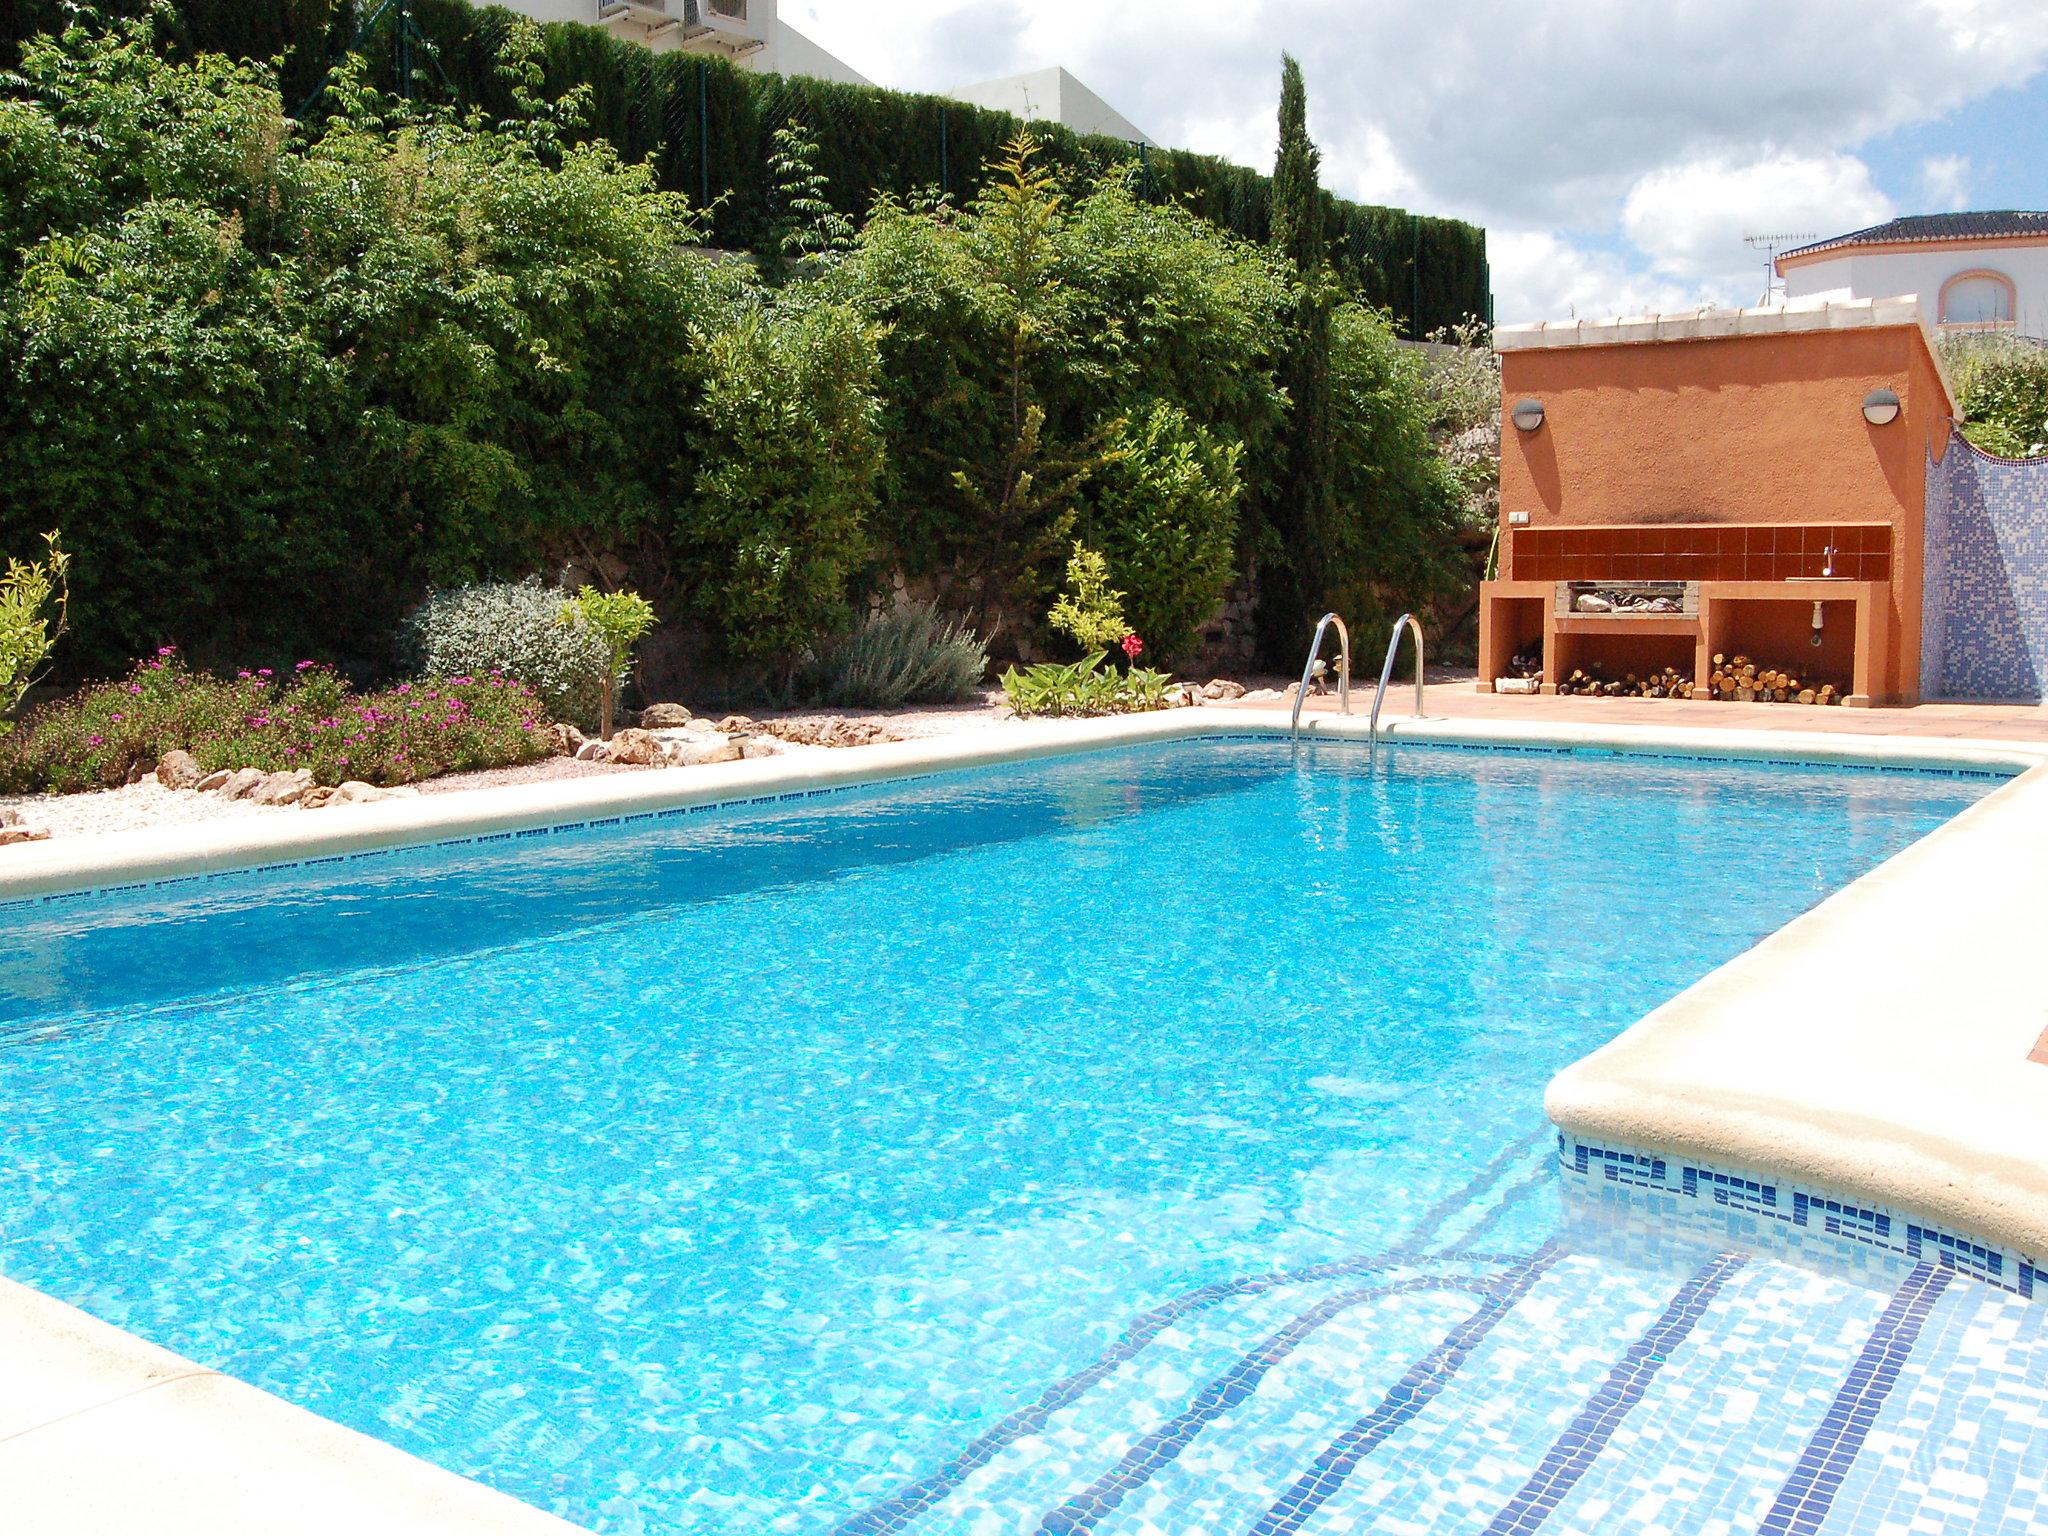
{"x":147,"y":804}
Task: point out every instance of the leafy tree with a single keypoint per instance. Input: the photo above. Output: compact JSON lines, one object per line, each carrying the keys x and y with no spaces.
{"x":809,"y":225}
{"x":620,"y":620}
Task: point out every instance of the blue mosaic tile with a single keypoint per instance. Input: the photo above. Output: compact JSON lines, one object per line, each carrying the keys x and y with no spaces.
{"x":1811,"y":1213}
{"x":1984,"y":619}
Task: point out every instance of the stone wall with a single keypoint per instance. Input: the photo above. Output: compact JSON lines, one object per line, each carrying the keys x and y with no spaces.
{"x":1984,"y":624}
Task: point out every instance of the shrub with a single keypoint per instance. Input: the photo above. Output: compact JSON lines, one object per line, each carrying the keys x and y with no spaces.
{"x":28,"y":591}
{"x":1165,"y":518}
{"x":310,"y":719}
{"x":915,"y":655}
{"x":514,"y":628}
{"x":1089,"y":610}
{"x":2001,"y":385}
{"x":1083,"y":688}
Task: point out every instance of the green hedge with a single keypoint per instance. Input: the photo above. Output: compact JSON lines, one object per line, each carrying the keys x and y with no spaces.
{"x":709,"y":126}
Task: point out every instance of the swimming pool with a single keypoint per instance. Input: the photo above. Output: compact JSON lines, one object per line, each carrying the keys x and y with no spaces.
{"x":1143,"y":1141}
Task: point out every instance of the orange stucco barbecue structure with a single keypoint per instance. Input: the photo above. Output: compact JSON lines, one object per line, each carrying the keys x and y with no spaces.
{"x":1730,"y":451}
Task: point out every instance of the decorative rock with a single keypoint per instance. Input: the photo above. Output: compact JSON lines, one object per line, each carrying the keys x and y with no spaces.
{"x":283,"y":788}
{"x":664,"y":717}
{"x":141,"y":769}
{"x":590,"y":752}
{"x":1222,"y":688}
{"x":701,"y":751}
{"x":736,"y":725}
{"x":214,"y":780}
{"x":317,"y":796}
{"x":356,"y":792}
{"x":567,"y":739}
{"x":241,"y":783}
{"x":639,"y":749}
{"x":1183,"y":696}
{"x":759,"y":746}
{"x":835,"y":732}
{"x":16,"y":833}
{"x":178,"y":770}
{"x":1264,"y":696}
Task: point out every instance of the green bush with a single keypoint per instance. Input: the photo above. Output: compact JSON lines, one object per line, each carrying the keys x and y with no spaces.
{"x":1164,"y":514}
{"x":513,"y":628}
{"x":788,"y":456}
{"x":1083,"y":688}
{"x":915,"y":655}
{"x":2001,"y":385}
{"x":307,"y":719}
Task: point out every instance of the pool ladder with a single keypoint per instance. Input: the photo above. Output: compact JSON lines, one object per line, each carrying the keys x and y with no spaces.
{"x":1372,"y":731}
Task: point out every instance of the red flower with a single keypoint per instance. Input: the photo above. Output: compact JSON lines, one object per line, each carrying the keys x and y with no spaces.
{"x":1133,"y":646}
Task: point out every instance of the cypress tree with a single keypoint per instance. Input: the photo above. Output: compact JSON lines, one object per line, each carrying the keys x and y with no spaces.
{"x":1292,"y":586}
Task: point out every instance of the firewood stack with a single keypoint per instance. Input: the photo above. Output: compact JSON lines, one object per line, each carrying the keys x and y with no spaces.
{"x":1527,"y":663}
{"x":1588,"y":682}
{"x":1742,"y":681}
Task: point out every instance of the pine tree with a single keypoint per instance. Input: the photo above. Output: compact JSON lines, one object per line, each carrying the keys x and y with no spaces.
{"x":1292,"y":586}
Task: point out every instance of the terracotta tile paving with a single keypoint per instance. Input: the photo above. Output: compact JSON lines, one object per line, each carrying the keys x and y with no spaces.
{"x":1459,"y":700}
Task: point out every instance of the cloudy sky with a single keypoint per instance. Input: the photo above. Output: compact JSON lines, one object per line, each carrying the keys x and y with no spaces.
{"x":1616,"y":150}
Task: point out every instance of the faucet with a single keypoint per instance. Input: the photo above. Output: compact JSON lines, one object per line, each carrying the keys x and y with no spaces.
{"x":1828,"y":555}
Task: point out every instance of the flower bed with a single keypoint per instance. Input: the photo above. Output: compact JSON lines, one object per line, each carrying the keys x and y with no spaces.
{"x":309,"y":718}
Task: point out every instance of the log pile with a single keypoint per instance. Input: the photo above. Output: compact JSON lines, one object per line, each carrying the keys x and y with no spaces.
{"x":1527,"y":663}
{"x":1743,"y":681}
{"x":1589,"y":682}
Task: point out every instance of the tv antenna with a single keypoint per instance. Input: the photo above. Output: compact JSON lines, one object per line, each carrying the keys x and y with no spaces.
{"x":1770,"y":245}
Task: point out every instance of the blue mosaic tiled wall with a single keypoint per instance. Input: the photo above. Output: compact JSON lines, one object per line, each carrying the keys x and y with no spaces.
{"x":1984,"y":623}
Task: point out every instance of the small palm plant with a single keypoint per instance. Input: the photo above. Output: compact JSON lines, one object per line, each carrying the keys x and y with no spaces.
{"x":621,"y":620}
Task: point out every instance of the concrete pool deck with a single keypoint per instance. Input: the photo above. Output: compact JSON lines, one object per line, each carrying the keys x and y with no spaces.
{"x":1876,"y":1046}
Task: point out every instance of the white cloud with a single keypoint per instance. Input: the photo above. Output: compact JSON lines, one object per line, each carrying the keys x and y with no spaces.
{"x":1529,"y":116}
{"x":1689,"y":220}
{"x":1945,"y":181}
{"x":1538,"y":275}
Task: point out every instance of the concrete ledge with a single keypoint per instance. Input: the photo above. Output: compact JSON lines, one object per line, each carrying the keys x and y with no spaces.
{"x":102,"y":1434}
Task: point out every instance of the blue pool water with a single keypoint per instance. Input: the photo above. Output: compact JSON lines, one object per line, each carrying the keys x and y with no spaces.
{"x":1148,"y":1141}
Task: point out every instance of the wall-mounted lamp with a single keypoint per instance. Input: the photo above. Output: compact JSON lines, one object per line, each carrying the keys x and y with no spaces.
{"x":1881,"y":407}
{"x":1528,"y":415}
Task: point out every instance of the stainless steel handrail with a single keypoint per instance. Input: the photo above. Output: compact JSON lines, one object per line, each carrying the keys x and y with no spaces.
{"x":1308,"y":670}
{"x":1372,"y":730}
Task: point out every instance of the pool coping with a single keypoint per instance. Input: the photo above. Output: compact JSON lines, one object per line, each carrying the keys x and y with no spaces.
{"x":1755,"y":1067}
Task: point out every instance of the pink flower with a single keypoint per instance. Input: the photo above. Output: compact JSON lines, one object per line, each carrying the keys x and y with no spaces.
{"x":135,"y":688}
{"x":118,"y":717}
{"x":241,"y":674}
{"x":167,"y":650}
{"x":403,"y":688}
{"x":263,"y":671}
{"x":303,"y":666}
{"x":1133,"y":646}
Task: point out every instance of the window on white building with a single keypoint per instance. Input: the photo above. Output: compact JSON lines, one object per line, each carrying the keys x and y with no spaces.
{"x":1977,"y":298}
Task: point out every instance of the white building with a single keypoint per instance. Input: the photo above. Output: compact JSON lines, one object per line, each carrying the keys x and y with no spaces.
{"x":1052,"y":96}
{"x":747,"y":32}
{"x":1972,"y":271}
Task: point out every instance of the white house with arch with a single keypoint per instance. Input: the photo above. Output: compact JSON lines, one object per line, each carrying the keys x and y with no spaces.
{"x":1971,"y":271}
